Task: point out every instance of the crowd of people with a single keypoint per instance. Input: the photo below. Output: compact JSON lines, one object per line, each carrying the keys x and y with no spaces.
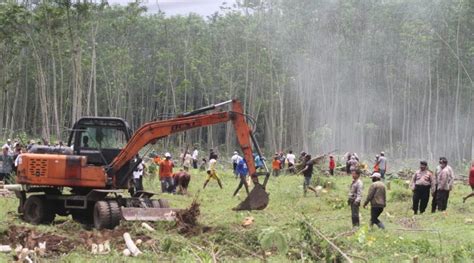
{"x":423,"y":183}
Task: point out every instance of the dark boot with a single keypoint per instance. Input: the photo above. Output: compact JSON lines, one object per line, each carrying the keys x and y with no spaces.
{"x":380,"y":225}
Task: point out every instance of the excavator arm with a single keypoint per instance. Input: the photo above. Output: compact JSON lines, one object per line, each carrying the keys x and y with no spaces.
{"x":152,"y":131}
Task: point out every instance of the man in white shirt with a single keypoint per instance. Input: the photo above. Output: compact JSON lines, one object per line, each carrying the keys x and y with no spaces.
{"x":290,"y":157}
{"x":195,"y":158}
{"x":235,"y":160}
{"x":187,"y":161}
{"x":137,"y":176}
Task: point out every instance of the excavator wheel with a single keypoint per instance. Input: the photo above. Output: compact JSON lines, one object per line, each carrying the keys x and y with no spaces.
{"x":115,"y":213}
{"x":155,"y":204}
{"x":106,"y":214}
{"x":164,"y":203}
{"x":38,"y":211}
{"x":160,"y":203}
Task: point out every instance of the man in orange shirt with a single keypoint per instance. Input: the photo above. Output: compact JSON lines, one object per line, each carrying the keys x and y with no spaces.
{"x":166,"y":174}
{"x":276,"y":165}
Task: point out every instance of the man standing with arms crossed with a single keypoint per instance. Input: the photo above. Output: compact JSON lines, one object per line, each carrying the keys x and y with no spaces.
{"x":422,"y":183}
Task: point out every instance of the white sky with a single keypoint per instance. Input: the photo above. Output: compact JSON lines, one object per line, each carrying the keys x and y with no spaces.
{"x":182,"y":7}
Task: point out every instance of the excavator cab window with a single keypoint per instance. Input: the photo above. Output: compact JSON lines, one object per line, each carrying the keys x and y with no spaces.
{"x":99,"y":139}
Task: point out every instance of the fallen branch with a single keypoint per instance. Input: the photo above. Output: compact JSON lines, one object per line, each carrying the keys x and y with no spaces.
{"x":244,"y":249}
{"x":329,"y":241}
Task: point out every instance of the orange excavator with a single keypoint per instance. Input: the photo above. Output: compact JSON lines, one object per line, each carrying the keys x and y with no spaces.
{"x":88,"y":178}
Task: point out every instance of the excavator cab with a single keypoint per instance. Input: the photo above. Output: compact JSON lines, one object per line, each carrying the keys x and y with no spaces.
{"x":99,"y":139}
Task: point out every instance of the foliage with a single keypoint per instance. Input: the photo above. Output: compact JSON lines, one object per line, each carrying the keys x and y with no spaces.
{"x":271,"y":238}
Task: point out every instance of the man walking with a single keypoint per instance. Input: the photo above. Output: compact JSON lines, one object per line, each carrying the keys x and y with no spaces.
{"x":471,"y":183}
{"x":235,"y":159}
{"x":422,"y":183}
{"x":445,"y":184}
{"x":212,"y":173}
{"x":355,"y":196}
{"x":276,"y":165}
{"x":382,"y":164}
{"x":242,"y":171}
{"x":307,"y":173}
{"x":377,"y":198}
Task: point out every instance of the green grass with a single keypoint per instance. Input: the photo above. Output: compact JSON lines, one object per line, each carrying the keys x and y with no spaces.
{"x":448,"y":239}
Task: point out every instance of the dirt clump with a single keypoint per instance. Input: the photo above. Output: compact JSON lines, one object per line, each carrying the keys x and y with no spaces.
{"x":186,"y":220}
{"x":30,"y":238}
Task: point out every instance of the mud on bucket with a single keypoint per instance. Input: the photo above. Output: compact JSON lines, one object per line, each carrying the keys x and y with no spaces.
{"x":256,"y":200}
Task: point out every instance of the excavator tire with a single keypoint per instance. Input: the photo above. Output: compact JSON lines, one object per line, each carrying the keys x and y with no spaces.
{"x":155,"y":204}
{"x":163,"y":203}
{"x":37,"y":211}
{"x":102,"y":215}
{"x":115,"y":213}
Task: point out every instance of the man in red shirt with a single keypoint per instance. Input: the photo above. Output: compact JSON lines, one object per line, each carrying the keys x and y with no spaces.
{"x":471,"y":182}
{"x":332,"y":164}
{"x":166,"y":174}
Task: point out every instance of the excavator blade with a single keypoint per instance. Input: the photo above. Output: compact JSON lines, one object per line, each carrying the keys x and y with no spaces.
{"x":149,"y":214}
{"x":256,"y":200}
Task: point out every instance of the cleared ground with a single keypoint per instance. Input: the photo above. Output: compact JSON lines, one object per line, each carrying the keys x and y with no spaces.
{"x":279,"y":233}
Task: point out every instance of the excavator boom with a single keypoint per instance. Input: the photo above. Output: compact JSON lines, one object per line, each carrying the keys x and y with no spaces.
{"x":152,"y":131}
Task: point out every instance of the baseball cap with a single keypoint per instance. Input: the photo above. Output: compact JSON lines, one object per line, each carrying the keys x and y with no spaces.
{"x":167,"y":154}
{"x":376,"y":175}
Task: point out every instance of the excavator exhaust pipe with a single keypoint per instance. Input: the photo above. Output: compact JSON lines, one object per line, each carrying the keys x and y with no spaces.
{"x":257,"y":199}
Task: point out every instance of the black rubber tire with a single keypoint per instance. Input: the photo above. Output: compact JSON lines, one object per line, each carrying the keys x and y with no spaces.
{"x":115,"y":213}
{"x":164,"y":203}
{"x":37,"y":210}
{"x":155,"y":203}
{"x":102,"y":218}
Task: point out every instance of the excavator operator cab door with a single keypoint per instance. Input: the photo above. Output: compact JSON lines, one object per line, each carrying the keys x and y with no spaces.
{"x":100,"y":139}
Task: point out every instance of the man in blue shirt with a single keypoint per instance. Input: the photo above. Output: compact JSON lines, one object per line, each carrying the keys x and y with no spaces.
{"x":242,"y":171}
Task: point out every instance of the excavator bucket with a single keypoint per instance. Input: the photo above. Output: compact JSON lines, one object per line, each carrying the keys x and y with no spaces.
{"x":149,"y":214}
{"x":256,"y":200}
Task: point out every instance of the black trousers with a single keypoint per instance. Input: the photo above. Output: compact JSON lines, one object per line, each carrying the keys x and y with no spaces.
{"x":355,"y":214}
{"x":442,"y":199}
{"x":433,"y":201}
{"x":421,"y":196}
{"x":374,"y":215}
